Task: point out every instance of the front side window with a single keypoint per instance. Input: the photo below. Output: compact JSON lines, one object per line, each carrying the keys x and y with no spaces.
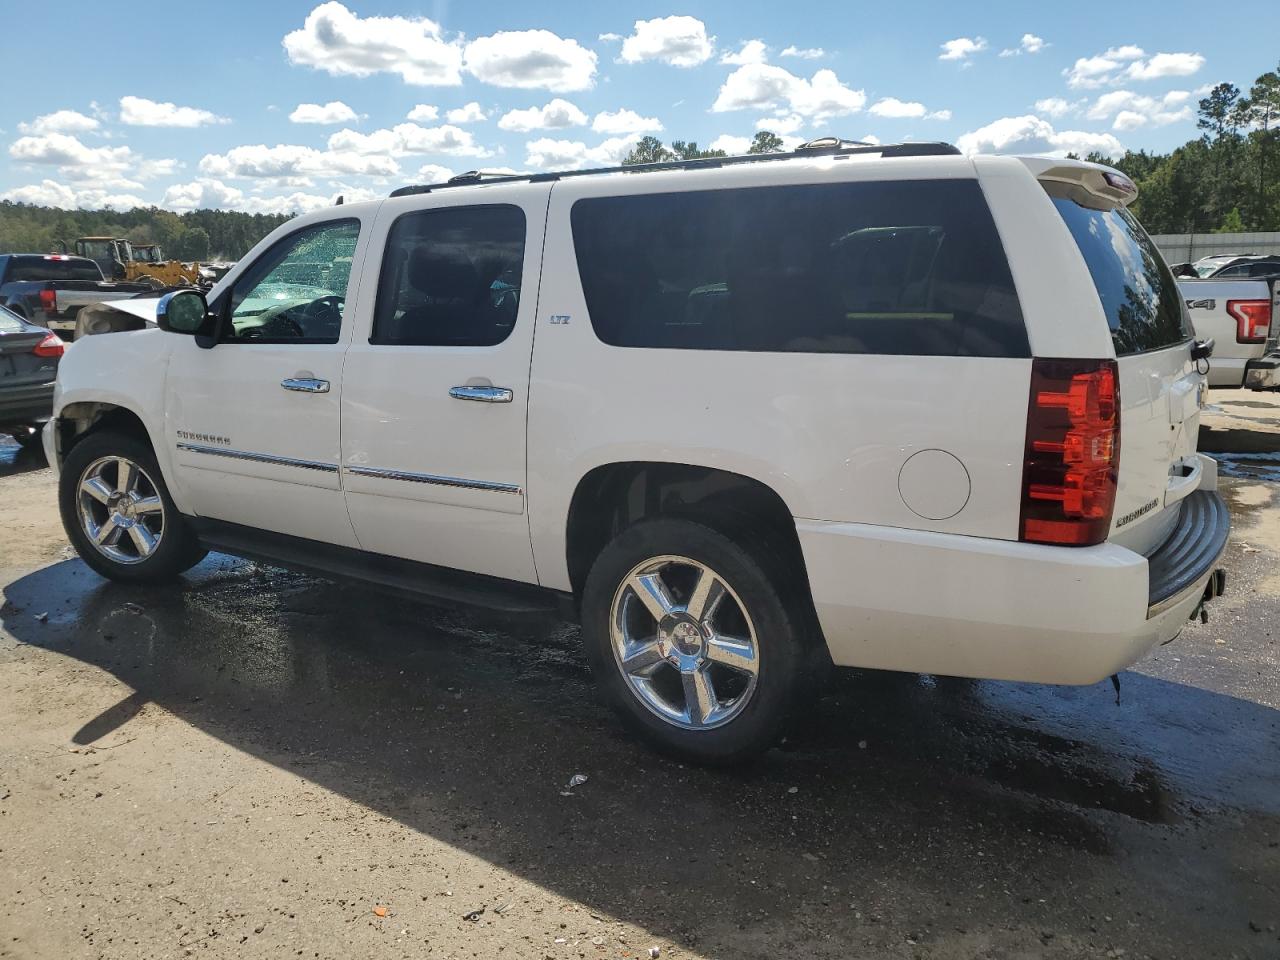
{"x":451,"y":277}
{"x":890,"y":267}
{"x":296,"y":292}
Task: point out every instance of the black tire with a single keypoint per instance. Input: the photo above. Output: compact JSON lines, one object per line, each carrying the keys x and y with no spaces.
{"x":178,"y":549}
{"x":767,"y":595}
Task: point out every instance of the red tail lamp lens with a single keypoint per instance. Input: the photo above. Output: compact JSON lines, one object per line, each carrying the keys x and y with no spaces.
{"x":1072,"y":452}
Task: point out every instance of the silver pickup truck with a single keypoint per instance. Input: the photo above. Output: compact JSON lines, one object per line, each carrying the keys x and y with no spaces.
{"x":1243,"y":318}
{"x":50,"y":290}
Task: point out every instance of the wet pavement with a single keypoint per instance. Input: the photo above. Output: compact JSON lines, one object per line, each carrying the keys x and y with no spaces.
{"x":251,"y":762}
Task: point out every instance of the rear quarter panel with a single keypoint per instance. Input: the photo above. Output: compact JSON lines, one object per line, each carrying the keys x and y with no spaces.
{"x":828,"y":432}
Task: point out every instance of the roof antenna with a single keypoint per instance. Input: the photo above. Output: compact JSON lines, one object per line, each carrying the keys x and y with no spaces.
{"x":338,"y":202}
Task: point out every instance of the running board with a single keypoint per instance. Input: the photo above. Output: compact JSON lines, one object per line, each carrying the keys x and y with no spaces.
{"x":405,"y":577}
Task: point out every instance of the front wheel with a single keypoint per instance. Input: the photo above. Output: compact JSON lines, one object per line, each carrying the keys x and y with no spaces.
{"x":118,"y":514}
{"x":691,"y":642}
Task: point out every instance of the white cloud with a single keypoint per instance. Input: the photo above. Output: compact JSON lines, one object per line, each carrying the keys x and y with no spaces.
{"x":781,"y":125}
{"x":1054,"y":107}
{"x":1128,"y":120}
{"x":763,"y":86}
{"x":753,"y":51}
{"x":961,"y":48}
{"x":609,"y":37}
{"x":433,"y":173}
{"x":406,"y":139}
{"x":335,"y":111}
{"x":100,"y":168}
{"x":203,"y":194}
{"x":469,"y":113}
{"x":1030,"y":43}
{"x":294,"y":163}
{"x":141,"y":112}
{"x":733,"y":146}
{"x":548,"y":153}
{"x":531,"y":59}
{"x":423,"y":111}
{"x":1129,"y":62}
{"x":806,"y":53}
{"x":60,"y":121}
{"x":1165,"y":65}
{"x":339,"y":42}
{"x":1031,"y":134}
{"x":51,"y":193}
{"x":556,"y":115}
{"x":892,"y":107}
{"x":1138,"y":110}
{"x":625,"y":122}
{"x":679,"y":41}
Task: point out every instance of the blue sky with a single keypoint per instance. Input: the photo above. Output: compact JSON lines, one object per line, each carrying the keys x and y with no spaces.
{"x":127,"y":109}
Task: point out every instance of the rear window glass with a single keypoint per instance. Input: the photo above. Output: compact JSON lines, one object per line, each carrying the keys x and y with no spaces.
{"x":8,"y":322}
{"x":40,"y":268}
{"x":1138,"y":292}
{"x":897,"y":267}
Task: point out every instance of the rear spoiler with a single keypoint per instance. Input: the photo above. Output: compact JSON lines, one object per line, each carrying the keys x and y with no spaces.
{"x":1102,"y":181}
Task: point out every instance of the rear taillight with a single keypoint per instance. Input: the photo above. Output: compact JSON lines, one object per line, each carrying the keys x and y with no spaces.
{"x":1073,"y":452}
{"x":48,"y":300}
{"x":50,"y":346}
{"x":1253,"y":319}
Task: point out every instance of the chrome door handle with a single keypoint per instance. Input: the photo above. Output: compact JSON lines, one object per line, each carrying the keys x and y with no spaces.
{"x":483,"y":394}
{"x":305,"y":385}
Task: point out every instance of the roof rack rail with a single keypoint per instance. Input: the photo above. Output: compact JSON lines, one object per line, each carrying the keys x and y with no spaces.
{"x":825,"y":146}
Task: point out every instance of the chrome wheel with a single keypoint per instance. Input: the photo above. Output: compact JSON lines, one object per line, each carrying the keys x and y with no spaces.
{"x":684,"y":642}
{"x":120,"y":509}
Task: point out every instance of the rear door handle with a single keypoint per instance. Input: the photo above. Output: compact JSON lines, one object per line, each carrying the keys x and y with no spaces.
{"x":482,"y":394}
{"x":305,"y":385}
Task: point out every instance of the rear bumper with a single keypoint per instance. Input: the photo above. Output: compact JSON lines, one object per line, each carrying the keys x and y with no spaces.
{"x":937,"y":603}
{"x":1263,"y":374}
{"x":24,"y":405}
{"x":1180,"y":566}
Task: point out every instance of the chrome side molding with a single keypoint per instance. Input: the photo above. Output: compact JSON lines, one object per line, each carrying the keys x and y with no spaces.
{"x":259,"y":457}
{"x":434,"y":479}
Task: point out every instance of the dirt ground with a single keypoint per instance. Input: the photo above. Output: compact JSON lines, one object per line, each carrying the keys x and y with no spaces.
{"x":261,"y":764}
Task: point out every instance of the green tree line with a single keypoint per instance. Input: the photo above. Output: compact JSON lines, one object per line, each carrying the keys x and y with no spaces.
{"x":197,"y":235}
{"x":1227,"y":180}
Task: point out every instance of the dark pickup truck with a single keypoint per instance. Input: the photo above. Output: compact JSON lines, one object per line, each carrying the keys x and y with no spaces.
{"x":50,"y":289}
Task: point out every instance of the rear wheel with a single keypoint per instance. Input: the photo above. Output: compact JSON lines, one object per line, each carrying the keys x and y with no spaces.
{"x":691,"y":641}
{"x":118,"y":514}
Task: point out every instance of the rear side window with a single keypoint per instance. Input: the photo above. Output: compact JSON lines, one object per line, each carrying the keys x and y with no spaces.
{"x":897,"y":267}
{"x":1138,"y":292}
{"x":451,"y":277}
{"x":9,"y":323}
{"x":48,"y":268}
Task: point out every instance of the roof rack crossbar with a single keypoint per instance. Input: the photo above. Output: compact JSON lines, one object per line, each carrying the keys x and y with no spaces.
{"x":827,"y":147}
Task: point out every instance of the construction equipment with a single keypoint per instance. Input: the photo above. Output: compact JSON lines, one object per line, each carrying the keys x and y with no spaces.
{"x":141,"y":263}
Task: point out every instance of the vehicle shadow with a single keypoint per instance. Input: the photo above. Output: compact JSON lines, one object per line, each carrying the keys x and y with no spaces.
{"x":466,"y":726}
{"x":15,"y":459}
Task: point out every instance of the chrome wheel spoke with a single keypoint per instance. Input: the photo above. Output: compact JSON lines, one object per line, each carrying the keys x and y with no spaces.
{"x":699,"y":696}
{"x":707,"y":594}
{"x":653,"y":593}
{"x":108,"y":534}
{"x":148,"y":505}
{"x":97,"y":488}
{"x":643,"y":659}
{"x":733,"y":652}
{"x":126,"y":475}
{"x":143,"y":539}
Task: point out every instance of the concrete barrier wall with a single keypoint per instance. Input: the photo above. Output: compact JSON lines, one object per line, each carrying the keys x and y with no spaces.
{"x":1181,"y":247}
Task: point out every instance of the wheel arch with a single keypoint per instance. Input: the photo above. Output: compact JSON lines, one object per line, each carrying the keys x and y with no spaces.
{"x":612,"y":496}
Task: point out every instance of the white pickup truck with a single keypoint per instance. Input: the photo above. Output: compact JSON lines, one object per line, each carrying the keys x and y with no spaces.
{"x":1242,"y":317}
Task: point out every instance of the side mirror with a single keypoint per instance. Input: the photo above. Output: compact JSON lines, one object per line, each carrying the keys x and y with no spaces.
{"x":183,"y":311}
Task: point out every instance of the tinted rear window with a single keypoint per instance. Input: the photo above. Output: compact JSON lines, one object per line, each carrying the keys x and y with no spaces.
{"x":38,"y":268}
{"x":899,"y":267}
{"x":1138,"y":292}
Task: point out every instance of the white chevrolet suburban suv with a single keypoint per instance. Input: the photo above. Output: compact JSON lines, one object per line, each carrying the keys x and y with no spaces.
{"x":882,"y":407}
